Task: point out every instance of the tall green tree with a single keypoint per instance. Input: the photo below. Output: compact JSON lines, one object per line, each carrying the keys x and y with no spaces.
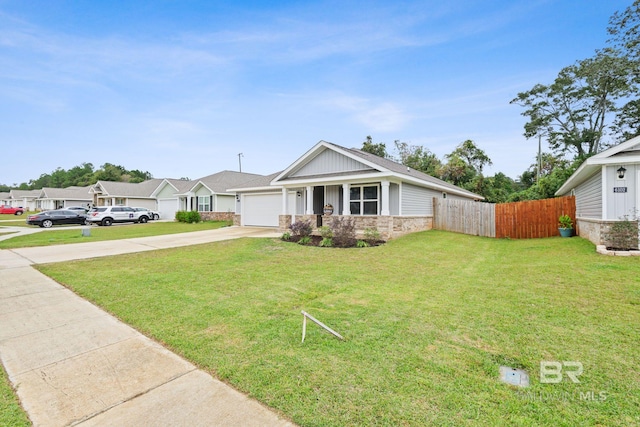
{"x":379,"y":149}
{"x":576,"y":110}
{"x":418,"y":158}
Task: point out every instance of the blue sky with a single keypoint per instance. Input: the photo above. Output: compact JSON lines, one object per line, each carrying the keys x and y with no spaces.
{"x":179,"y":88}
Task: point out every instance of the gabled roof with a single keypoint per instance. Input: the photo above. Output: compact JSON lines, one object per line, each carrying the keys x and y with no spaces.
{"x":627,"y":152}
{"x":179,"y":186}
{"x":143,"y":189}
{"x":22,"y":194}
{"x":262,"y":182}
{"x":221,"y":182}
{"x":371,"y":165}
{"x":69,"y":193}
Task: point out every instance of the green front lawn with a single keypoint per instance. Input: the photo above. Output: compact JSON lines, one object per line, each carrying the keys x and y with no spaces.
{"x":428,"y":320}
{"x":59,"y":235}
{"x":11,"y":414}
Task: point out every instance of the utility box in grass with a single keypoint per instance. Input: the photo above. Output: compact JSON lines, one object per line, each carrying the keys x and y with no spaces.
{"x":86,"y":231}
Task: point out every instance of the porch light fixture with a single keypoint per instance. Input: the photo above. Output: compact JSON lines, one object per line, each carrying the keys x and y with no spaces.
{"x":621,"y":170}
{"x":299,"y":194}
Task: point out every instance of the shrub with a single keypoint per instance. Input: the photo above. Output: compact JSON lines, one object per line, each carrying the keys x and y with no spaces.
{"x":301,"y":228}
{"x":372,"y":235}
{"x":286,"y":236}
{"x":326,"y":242}
{"x":623,"y":235}
{"x":344,"y":232}
{"x":188,"y":216}
{"x":362,"y":244}
{"x":325,"y":232}
{"x":305,"y":240}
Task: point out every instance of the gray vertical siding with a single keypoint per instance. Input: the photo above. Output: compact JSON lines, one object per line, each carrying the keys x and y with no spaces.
{"x":417,"y":200}
{"x":332,"y":196}
{"x":327,"y":162}
{"x":589,"y":198}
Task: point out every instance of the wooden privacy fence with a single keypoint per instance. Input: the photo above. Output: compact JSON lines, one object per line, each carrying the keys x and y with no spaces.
{"x":463,"y":216}
{"x":520,"y":220}
{"x":533,"y":218}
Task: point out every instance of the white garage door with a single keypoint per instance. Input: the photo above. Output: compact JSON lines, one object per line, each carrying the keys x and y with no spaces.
{"x":262,"y":210}
{"x":167,"y":208}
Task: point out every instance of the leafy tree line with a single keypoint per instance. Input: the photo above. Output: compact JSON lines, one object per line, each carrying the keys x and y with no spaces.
{"x":81,"y":176}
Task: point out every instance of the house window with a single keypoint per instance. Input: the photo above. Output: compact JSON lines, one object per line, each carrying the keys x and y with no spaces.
{"x":363,"y":199}
{"x":120,"y":201}
{"x":204,"y":204}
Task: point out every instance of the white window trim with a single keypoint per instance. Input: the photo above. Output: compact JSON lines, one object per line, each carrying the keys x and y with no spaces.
{"x":362,"y":200}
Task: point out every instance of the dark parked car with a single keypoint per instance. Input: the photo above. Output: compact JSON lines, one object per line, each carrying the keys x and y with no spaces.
{"x":48,"y":219}
{"x":77,"y":208}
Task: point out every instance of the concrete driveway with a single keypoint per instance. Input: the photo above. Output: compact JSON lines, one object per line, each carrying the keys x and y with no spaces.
{"x":72,"y":363}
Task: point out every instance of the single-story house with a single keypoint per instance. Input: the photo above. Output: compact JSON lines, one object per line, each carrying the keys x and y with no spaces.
{"x":57,"y":198}
{"x":110,"y":193}
{"x":168,"y":199}
{"x":5,"y":198}
{"x":330,"y":180}
{"x":207,"y":195}
{"x":24,"y":198}
{"x":607,"y":188}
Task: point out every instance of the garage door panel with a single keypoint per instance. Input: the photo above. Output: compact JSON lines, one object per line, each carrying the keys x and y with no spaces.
{"x":167,"y":208}
{"x":262,"y":210}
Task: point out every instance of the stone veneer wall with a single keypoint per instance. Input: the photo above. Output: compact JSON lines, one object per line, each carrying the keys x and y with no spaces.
{"x":217,"y":216}
{"x":594,"y":230}
{"x":389,"y":227}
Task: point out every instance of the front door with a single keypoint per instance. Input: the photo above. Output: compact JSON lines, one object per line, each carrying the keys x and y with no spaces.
{"x":318,"y":200}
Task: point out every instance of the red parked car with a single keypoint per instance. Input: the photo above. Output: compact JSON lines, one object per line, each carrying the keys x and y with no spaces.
{"x":6,"y":209}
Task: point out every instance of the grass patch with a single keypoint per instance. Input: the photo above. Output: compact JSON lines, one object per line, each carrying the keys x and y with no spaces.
{"x":428,"y":318}
{"x":59,"y":235}
{"x":11,"y":413}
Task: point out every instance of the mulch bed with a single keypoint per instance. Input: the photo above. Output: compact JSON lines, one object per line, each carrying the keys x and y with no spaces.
{"x":315,"y":241}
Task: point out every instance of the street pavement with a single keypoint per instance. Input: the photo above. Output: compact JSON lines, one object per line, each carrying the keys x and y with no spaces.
{"x":73,"y":364}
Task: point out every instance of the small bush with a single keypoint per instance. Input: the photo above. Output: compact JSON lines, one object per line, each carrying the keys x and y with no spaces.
{"x":301,"y":228}
{"x":344,"y":232}
{"x":372,"y":235}
{"x":623,"y":235}
{"x":362,"y":244}
{"x":286,"y":236}
{"x":326,"y":242}
{"x":305,"y":240}
{"x":325,"y":232}
{"x":189,"y":217}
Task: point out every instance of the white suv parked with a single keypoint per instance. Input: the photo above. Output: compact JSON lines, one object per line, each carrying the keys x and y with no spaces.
{"x":107,"y":215}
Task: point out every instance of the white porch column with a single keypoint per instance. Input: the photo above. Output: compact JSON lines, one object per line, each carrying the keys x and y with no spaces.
{"x":385,"y":198}
{"x":346,"y":206}
{"x":285,"y":201}
{"x":309,"y":210}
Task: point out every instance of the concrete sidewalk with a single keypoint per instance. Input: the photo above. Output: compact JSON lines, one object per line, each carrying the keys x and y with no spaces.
{"x":74,"y":364}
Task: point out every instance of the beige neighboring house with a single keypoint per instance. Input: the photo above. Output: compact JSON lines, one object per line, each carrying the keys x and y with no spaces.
{"x":57,"y":198}
{"x":24,"y":198}
{"x":109,"y":193}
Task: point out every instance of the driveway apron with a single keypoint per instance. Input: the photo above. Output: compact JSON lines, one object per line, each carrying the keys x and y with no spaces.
{"x":72,"y":363}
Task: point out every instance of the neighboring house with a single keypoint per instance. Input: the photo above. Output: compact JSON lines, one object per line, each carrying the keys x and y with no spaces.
{"x":210,"y":194}
{"x":57,"y":198}
{"x":24,"y":198}
{"x":111,"y":193}
{"x":376,"y":192}
{"x":5,"y":198}
{"x":168,"y":196}
{"x":607,"y":188}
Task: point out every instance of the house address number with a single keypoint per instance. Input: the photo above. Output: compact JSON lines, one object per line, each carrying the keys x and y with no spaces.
{"x":619,"y":189}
